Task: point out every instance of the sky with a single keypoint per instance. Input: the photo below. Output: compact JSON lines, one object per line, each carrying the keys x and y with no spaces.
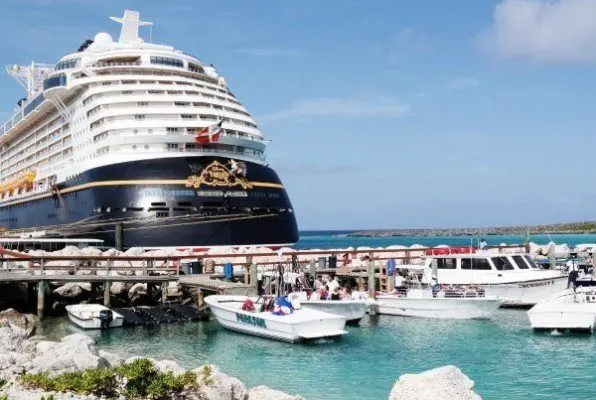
{"x":382,"y":113}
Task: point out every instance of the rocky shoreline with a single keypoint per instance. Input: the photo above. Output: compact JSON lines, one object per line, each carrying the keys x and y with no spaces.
{"x":30,"y":364}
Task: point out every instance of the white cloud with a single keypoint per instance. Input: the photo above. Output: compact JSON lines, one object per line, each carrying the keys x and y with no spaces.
{"x":271,"y":52}
{"x":341,"y":107}
{"x":552,"y":31}
{"x":461,"y":83}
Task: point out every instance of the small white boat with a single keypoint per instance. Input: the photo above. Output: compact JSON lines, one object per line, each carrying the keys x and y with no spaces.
{"x":421,"y":303}
{"x":352,"y":310}
{"x":301,"y":324}
{"x":94,"y":316}
{"x":567,"y":309}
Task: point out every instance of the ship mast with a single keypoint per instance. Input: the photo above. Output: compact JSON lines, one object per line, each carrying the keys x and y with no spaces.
{"x":30,"y":77}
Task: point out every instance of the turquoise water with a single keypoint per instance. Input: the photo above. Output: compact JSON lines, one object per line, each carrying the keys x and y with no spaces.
{"x":505,"y":358}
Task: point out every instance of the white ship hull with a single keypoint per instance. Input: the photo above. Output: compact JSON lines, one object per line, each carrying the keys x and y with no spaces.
{"x":438,"y":307}
{"x":302,"y":324}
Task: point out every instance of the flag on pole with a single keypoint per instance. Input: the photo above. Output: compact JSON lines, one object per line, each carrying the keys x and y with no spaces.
{"x":209,"y":134}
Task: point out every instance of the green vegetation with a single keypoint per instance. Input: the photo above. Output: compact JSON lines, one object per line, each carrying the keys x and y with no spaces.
{"x":50,"y":397}
{"x":2,"y":383}
{"x":3,"y":397}
{"x":137,"y":380}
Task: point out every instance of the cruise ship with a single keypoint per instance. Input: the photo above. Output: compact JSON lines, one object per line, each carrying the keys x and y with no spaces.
{"x":139,"y":145}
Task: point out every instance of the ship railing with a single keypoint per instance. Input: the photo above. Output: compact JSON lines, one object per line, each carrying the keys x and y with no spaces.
{"x":103,"y":64}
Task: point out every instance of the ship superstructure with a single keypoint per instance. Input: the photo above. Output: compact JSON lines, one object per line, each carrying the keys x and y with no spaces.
{"x":105,"y":145}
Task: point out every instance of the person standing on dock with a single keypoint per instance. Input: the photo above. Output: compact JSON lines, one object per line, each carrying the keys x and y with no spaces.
{"x":318,"y":282}
{"x":482,"y":245}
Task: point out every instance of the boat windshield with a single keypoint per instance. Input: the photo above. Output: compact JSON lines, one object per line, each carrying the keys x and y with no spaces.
{"x":475,"y":263}
{"x":502,"y":263}
{"x":531,"y":262}
{"x":519,"y":260}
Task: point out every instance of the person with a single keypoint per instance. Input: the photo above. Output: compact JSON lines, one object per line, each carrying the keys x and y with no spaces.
{"x":482,"y":245}
{"x":316,"y":295}
{"x":346,"y":294}
{"x":318,"y":282}
{"x":332,"y":285}
{"x":335,"y":294}
{"x":400,"y":281}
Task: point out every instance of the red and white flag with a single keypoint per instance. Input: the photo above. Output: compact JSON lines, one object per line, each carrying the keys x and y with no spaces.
{"x":209,"y":134}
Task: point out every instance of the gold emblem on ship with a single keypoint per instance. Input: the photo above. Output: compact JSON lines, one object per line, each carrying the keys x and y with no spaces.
{"x":218,"y":175}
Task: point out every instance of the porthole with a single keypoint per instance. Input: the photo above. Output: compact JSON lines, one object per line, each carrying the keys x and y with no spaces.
{"x":134,"y":146}
{"x":146,"y":147}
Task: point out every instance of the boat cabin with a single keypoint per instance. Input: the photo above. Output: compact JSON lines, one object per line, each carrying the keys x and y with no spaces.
{"x":481,"y":262}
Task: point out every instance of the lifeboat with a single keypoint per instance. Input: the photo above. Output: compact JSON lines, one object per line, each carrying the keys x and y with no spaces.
{"x":23,"y":181}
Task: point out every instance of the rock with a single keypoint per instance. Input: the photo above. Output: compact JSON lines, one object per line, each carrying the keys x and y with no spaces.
{"x":221,"y":386}
{"x":119,"y":288}
{"x":266,"y":393}
{"x":74,"y":352}
{"x":72,"y":289}
{"x":113,"y":359}
{"x":14,"y":319}
{"x":15,"y":350}
{"x":137,"y":289}
{"x":447,"y":383}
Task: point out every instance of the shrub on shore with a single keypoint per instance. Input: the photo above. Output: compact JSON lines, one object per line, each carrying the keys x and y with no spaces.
{"x":138,"y":379}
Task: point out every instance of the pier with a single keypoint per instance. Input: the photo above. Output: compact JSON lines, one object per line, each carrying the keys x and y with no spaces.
{"x":366,"y":267}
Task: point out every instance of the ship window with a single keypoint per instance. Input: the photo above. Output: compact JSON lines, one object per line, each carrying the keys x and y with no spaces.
{"x":146,"y":147}
{"x":135,"y":131}
{"x":475,"y":263}
{"x":58,"y":80}
{"x":143,"y":103}
{"x":446,"y":263}
{"x":519,"y":260}
{"x":139,"y":116}
{"x":134,"y":146}
{"x":502,"y":263}
{"x":174,"y":62}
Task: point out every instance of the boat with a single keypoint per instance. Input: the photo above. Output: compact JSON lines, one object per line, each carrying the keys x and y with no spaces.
{"x":352,"y":310}
{"x":569,"y":309}
{"x":300,"y":325}
{"x":94,"y":316}
{"x":513,"y":277}
{"x":424,"y":303}
{"x":137,"y":144}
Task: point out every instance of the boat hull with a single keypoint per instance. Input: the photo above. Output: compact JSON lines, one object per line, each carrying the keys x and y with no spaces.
{"x":299,"y":326}
{"x":567,"y":309}
{"x":165,"y":202}
{"x":526,"y":294}
{"x":437,"y":307}
{"x":352,"y":310}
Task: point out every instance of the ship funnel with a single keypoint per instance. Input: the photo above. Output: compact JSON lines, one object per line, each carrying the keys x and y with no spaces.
{"x":130,"y":26}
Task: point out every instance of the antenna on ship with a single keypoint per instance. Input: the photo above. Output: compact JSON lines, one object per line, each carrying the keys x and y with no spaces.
{"x":30,"y":77}
{"x":130,"y":26}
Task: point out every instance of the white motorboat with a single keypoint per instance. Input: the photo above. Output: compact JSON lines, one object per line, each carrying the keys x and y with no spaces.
{"x":301,"y":324}
{"x":94,"y":316}
{"x":567,"y":309}
{"x":512,"y":277}
{"x":352,"y":310}
{"x":422,"y":303}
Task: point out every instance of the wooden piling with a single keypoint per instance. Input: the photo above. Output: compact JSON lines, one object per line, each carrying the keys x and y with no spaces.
{"x":551,"y":256}
{"x":370,"y":269}
{"x":254,"y":279}
{"x":200,"y":299}
{"x":164,"y":292}
{"x":106,"y":293}
{"x":247,"y":270}
{"x":41,"y":291}
{"x":313,"y":269}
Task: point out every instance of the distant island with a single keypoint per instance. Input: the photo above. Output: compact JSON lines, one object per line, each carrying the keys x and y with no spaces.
{"x":571,"y":227}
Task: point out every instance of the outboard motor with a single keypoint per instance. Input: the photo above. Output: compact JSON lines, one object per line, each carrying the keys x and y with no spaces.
{"x":105,"y":318}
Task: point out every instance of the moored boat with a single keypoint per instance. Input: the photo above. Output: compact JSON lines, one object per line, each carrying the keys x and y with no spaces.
{"x":512,"y":277}
{"x":94,"y":316}
{"x":299,"y":325}
{"x":423,"y":303}
{"x":573,"y":309}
